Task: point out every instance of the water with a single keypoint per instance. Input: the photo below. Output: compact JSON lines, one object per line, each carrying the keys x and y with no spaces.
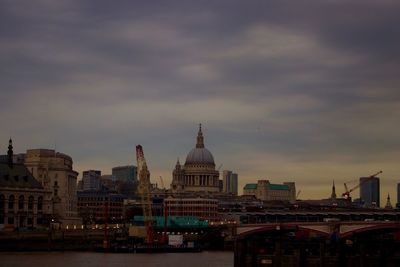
{"x":92,"y":259}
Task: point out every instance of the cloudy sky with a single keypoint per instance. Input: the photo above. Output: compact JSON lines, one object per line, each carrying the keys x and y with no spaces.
{"x":289,"y":91}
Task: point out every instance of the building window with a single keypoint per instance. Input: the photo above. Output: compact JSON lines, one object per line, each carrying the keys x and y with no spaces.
{"x":2,"y":203}
{"x":40,"y":203}
{"x":21,"y":202}
{"x":10,"y":220}
{"x":30,"y":203}
{"x":30,"y":221}
{"x":11,"y":200}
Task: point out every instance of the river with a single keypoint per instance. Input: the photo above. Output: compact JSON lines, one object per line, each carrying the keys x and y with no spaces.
{"x":93,"y":259}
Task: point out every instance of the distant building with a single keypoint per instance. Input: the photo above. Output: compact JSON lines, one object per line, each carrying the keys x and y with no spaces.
{"x":108,"y":181}
{"x":54,"y":171}
{"x":202,"y":208}
{"x":370,"y":191}
{"x":23,"y":200}
{"x":333,"y":194}
{"x":398,"y":195}
{"x":91,"y":180}
{"x":266,"y":191}
{"x":250,"y":190}
{"x":230,"y":182}
{"x":388,"y":203}
{"x":79,"y":186}
{"x":198,"y":174}
{"x":95,"y":206}
{"x":125,"y":173}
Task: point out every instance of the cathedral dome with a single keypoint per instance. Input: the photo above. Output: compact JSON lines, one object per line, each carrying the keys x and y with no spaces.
{"x":200,"y":154}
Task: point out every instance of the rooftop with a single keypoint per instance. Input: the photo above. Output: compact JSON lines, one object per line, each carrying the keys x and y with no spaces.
{"x":17,"y":176}
{"x":250,"y":186}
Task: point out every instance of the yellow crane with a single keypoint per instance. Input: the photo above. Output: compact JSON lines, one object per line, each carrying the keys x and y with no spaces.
{"x":144,"y":190}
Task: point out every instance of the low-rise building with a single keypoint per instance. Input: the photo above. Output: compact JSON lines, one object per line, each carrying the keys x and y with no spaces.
{"x":266,"y":191}
{"x":202,"y":208}
{"x":96,"y":206}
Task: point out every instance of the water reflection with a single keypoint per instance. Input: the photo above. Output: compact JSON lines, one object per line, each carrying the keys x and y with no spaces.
{"x":89,"y":259}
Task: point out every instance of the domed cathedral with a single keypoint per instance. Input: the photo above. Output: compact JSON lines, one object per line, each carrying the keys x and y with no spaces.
{"x":198,"y":174}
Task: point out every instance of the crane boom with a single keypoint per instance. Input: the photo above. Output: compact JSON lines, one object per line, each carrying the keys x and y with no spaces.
{"x":162,"y":182}
{"x":144,"y":190}
{"x":348,"y":191}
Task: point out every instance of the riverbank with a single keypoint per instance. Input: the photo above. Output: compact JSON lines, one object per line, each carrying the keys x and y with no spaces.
{"x":80,"y":240}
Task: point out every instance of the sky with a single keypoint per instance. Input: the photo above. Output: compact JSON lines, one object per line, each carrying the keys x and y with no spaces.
{"x":304,"y":91}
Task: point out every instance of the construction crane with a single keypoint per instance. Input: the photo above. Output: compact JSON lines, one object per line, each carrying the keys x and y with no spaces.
{"x":347,"y":192}
{"x":162,"y":182}
{"x":297,"y":195}
{"x":220,"y":166}
{"x":144,"y":190}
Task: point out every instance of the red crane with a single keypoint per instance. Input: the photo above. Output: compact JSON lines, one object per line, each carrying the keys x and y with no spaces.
{"x":346,"y":194}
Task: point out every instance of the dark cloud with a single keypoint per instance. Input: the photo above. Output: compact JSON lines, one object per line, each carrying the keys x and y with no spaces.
{"x":273,"y":81}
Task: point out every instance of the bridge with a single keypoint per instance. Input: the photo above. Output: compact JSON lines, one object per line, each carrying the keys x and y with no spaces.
{"x":339,"y":228}
{"x":329,"y":243}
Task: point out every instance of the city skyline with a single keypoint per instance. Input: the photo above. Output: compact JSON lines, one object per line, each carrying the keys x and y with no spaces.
{"x":285,"y":91}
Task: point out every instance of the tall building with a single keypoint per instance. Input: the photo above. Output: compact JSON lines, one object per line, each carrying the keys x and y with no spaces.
{"x":264,"y":190}
{"x":198,"y":174}
{"x":54,"y":171}
{"x":230,"y":182}
{"x":91,"y":180}
{"x":398,"y":195}
{"x":23,"y":200}
{"x":370,"y":191}
{"x":125,"y":173}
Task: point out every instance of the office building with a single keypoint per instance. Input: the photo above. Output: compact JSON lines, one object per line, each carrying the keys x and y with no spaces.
{"x":202,"y":208}
{"x":398,"y":195}
{"x":370,"y":191}
{"x":98,"y":206}
{"x":230,"y":182}
{"x":91,"y":180}
{"x":125,"y":173}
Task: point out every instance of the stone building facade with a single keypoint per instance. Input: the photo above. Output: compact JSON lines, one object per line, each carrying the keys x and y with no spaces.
{"x":54,"y":171}
{"x":23,"y":200}
{"x":264,"y":190}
